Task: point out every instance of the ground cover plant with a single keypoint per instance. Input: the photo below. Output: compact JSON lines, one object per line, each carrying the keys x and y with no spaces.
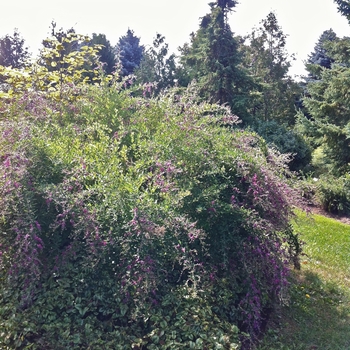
{"x":129,"y":221}
{"x":318,"y":314}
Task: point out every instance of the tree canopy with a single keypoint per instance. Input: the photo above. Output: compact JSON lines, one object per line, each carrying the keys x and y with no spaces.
{"x":344,"y":8}
{"x":212,"y":58}
{"x":129,"y":53}
{"x":13,"y":52}
{"x":107,"y":54}
{"x":266,"y":57}
{"x":327,"y":105}
{"x":158,"y":66}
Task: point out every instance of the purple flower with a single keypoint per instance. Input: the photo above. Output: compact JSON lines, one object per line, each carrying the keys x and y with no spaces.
{"x":7,"y":162}
{"x":38,"y":226}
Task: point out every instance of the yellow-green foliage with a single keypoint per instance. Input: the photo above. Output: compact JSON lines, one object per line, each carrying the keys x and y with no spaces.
{"x":59,"y":72}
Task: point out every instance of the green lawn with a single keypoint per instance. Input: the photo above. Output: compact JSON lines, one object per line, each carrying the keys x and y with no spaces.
{"x":317,"y":315}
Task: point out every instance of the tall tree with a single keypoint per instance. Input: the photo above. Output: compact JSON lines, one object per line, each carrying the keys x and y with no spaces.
{"x":266,"y":57}
{"x":327,"y":104}
{"x":69,"y":46}
{"x":13,"y":51}
{"x":129,"y":53}
{"x":213,"y":60}
{"x":65,"y":42}
{"x":320,"y":58}
{"x":157,"y":65}
{"x":225,"y":5}
{"x":107,"y":54}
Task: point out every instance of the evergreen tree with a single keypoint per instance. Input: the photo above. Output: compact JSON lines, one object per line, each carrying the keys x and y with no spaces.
{"x":129,"y":53}
{"x":344,"y":8}
{"x":213,"y":60}
{"x":320,"y":55}
{"x":327,"y":104}
{"x":106,"y":54}
{"x":13,"y":51}
{"x":267,"y":59}
{"x":320,"y":58}
{"x":225,"y":5}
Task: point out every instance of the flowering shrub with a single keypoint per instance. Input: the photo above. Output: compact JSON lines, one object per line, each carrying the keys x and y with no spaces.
{"x":133,"y":222}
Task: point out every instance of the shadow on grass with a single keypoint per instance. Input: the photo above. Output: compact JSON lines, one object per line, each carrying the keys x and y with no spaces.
{"x":317,"y":317}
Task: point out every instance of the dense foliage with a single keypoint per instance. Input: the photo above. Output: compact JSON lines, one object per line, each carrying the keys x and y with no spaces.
{"x":212,"y":58}
{"x":135,"y":211}
{"x":106,"y":53}
{"x":129,"y":221}
{"x":285,"y":141}
{"x":157,"y":66}
{"x":326,"y":121}
{"x":13,"y":52}
{"x":266,"y":57}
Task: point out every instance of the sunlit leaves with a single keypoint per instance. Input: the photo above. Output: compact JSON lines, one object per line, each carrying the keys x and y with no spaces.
{"x":59,"y":69}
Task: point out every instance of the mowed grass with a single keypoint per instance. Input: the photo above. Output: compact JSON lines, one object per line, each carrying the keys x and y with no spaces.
{"x":317,"y":314}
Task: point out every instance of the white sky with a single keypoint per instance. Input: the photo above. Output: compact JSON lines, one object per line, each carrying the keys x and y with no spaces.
{"x":303,"y":20}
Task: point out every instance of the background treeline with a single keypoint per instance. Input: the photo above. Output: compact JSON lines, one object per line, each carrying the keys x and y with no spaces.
{"x":250,"y":75}
{"x":146,"y":198}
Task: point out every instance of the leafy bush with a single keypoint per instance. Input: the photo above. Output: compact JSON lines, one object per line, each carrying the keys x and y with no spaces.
{"x":131,"y":222}
{"x":334,"y":194}
{"x":286,"y":141}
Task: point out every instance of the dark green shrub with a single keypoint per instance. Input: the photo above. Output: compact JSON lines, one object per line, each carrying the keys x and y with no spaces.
{"x":286,"y":141}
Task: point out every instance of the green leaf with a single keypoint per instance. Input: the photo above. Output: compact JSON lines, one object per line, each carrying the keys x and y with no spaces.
{"x":123,"y":309}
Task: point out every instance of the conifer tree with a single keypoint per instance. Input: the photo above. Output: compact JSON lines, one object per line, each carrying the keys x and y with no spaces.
{"x":212,"y":59}
{"x":320,"y":58}
{"x":344,"y":8}
{"x":129,"y":53}
{"x":327,"y":102}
